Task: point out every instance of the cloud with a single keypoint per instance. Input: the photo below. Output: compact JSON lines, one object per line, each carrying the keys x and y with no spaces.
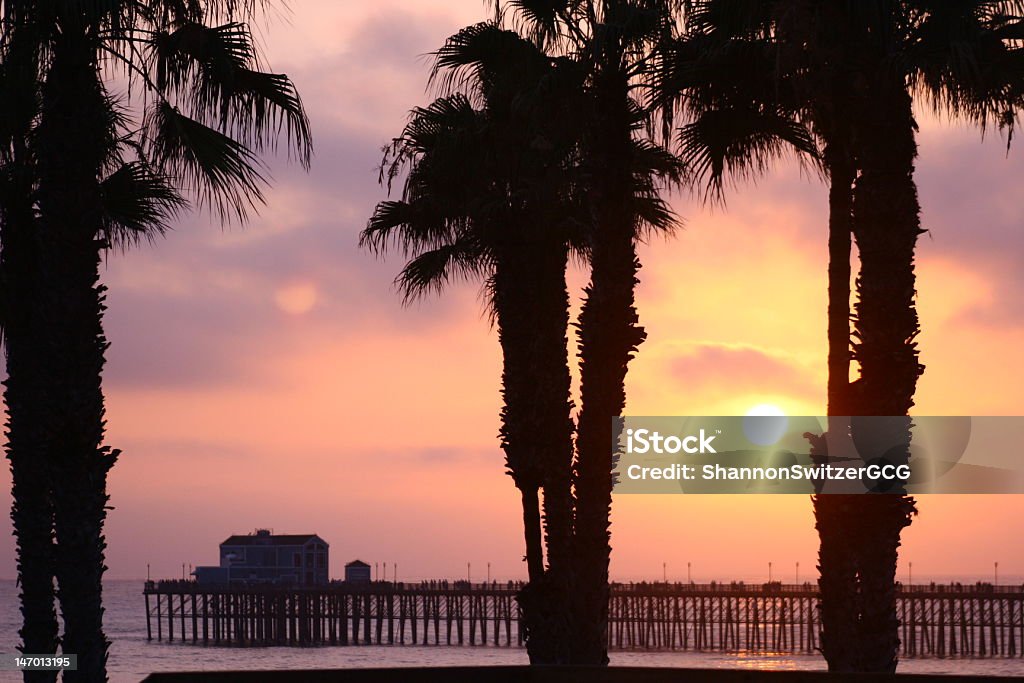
{"x":970,"y":202}
{"x":717,"y":369}
{"x":162,"y":340}
{"x":183,"y":451}
{"x":196,"y":307}
{"x":396,"y":40}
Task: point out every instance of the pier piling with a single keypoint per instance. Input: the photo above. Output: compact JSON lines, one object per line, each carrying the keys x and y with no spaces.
{"x":935,"y":621}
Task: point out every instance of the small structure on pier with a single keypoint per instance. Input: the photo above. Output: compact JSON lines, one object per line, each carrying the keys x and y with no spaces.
{"x":265,"y":557}
{"x":357,"y":571}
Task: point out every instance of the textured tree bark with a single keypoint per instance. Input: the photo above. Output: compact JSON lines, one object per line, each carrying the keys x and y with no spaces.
{"x":886,"y":226}
{"x":24,"y":392}
{"x":840,"y":227}
{"x":71,"y":145}
{"x":555,"y":432}
{"x":530,"y":497}
{"x":29,"y":428}
{"x":609,"y":335}
{"x":531,"y":302}
{"x":837,"y":583}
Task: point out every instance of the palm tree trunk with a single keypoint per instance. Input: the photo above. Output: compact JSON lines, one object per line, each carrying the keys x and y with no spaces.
{"x":837,"y":582}
{"x":886,"y":225}
{"x":24,"y":392}
{"x":840,"y":228}
{"x":554,"y":434}
{"x":71,"y":147}
{"x":531,"y":302}
{"x":530,"y":496}
{"x":28,"y":446}
{"x":609,"y":335}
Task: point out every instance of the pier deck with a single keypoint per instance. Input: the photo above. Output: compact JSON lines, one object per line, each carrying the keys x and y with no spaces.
{"x":940,"y":621}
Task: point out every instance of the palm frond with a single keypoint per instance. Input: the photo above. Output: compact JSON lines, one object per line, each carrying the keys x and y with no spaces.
{"x":448,"y":124}
{"x":410,"y":226}
{"x":137,"y":204}
{"x":174,"y":12}
{"x":653,"y":160}
{"x":730,"y":18}
{"x":222,"y":173}
{"x":19,"y":83}
{"x":176,"y":54}
{"x":541,"y":20}
{"x":1011,"y":30}
{"x":637,"y":24}
{"x":739,"y":144}
{"x":962,"y":58}
{"x":486,"y":167}
{"x":261,"y":106}
{"x":654,"y":216}
{"x":697,"y":72}
{"x":217,"y":69}
{"x":473,"y":59}
{"x":431,"y":271}
{"x":181,"y":11}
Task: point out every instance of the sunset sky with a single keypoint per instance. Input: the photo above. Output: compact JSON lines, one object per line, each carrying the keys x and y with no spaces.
{"x":267,"y":376}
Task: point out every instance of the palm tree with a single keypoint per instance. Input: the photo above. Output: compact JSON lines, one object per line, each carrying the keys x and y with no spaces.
{"x":552,"y":611}
{"x":32,"y":511}
{"x":96,"y":180}
{"x":828,"y":64}
{"x":748,"y":96}
{"x":958,"y":56}
{"x":624,"y":170}
{"x":489,"y":194}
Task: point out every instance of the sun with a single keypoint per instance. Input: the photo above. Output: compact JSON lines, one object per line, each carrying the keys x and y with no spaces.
{"x":296,"y":298}
{"x":765,"y":424}
{"x":766,"y":410}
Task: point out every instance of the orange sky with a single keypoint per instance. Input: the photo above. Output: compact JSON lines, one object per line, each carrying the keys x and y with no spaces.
{"x":269,"y":377}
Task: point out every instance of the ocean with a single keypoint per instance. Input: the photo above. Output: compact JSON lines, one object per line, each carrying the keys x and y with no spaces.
{"x":132,"y":657}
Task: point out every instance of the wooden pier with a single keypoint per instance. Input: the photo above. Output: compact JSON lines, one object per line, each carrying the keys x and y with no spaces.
{"x":935,"y":621}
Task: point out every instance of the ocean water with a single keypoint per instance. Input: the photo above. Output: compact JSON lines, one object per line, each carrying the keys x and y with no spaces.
{"x":132,"y":657}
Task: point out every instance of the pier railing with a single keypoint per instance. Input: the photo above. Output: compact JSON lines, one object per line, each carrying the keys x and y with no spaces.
{"x":978,"y":620}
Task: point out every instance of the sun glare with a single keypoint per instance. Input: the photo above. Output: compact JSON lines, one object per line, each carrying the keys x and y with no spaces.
{"x":766,"y":409}
{"x":761,"y":431}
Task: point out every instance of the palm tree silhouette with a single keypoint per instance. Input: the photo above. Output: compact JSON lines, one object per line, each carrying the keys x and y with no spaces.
{"x":612,"y":39}
{"x":846,"y":71}
{"x":958,"y":57}
{"x":570,"y":595}
{"x":84,"y":178}
{"x":491,"y":192}
{"x":749,"y":93}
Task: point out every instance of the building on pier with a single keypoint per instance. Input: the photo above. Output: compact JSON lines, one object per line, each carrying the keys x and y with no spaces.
{"x":357,"y":571}
{"x":264,"y":557}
